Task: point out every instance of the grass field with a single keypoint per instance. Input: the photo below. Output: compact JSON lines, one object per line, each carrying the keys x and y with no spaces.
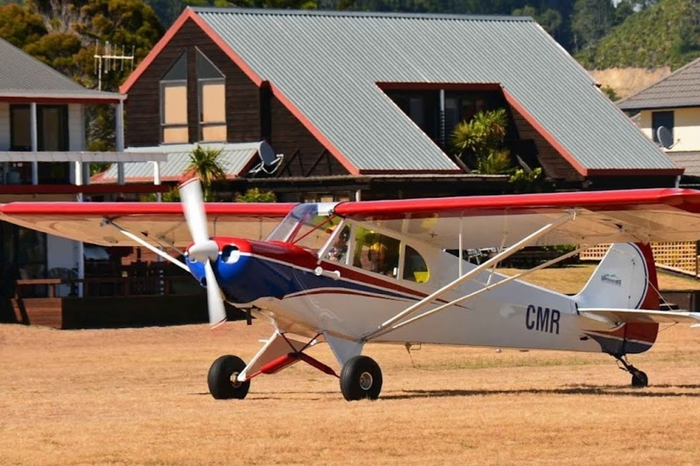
{"x":139,"y":397}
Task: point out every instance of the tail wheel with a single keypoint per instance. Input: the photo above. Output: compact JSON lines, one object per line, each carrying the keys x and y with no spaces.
{"x":361,"y":378}
{"x":222,"y":378}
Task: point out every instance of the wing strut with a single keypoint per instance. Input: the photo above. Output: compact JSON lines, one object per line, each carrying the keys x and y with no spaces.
{"x":386,"y":326}
{"x":145,"y":244}
{"x":486,"y":288}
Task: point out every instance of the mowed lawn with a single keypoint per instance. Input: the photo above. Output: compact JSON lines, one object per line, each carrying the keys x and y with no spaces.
{"x":139,"y":397}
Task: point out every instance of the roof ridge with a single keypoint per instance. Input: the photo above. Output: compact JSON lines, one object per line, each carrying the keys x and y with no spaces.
{"x":360,"y":14}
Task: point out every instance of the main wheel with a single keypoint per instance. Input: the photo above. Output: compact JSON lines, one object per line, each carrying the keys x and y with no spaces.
{"x":361,"y":378}
{"x":639,"y":379}
{"x":222,"y":378}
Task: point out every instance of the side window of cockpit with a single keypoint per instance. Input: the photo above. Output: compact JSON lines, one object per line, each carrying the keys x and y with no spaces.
{"x":376,"y":252}
{"x":338,"y":251}
{"x":414,"y":267}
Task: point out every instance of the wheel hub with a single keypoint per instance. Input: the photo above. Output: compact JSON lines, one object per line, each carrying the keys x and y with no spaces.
{"x":366,"y":381}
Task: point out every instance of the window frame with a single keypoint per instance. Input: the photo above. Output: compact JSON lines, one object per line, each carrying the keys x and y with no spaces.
{"x":208,"y":74}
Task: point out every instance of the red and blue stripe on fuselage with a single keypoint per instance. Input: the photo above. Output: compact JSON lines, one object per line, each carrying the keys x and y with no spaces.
{"x":249,"y":270}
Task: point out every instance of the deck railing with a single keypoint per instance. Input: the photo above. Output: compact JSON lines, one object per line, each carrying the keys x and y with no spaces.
{"x":106,"y":286}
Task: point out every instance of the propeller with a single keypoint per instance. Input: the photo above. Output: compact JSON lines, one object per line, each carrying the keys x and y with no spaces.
{"x":204,"y":249}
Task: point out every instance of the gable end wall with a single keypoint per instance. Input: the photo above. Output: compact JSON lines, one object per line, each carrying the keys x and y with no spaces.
{"x":143,"y":105}
{"x":555,"y":166}
{"x":289,"y":135}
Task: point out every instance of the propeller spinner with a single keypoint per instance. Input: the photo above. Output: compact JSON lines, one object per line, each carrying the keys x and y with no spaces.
{"x":204,"y":249}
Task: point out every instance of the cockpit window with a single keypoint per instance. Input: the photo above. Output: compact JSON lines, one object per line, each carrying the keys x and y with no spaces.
{"x":303,"y":227}
{"x":376,"y":252}
{"x":414,"y":267}
{"x":338,"y":251}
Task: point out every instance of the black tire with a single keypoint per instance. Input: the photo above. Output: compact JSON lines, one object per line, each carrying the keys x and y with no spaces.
{"x":221,"y":378}
{"x":361,"y":379}
{"x":639,"y":379}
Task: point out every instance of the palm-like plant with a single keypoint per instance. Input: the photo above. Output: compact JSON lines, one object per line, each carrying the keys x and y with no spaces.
{"x":480,"y":140}
{"x":205,"y":165}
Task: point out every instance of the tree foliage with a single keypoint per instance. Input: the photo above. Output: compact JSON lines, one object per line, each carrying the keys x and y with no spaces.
{"x":591,"y":20}
{"x":204,"y":163}
{"x":66,"y":34}
{"x":20,"y":26}
{"x":663,"y":34}
{"x":479,"y":142}
{"x":255,"y":195}
{"x":77,"y":30}
{"x":550,"y":19}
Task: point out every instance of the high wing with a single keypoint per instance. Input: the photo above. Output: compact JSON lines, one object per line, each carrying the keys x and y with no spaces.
{"x":648,"y":215}
{"x":160,"y":224}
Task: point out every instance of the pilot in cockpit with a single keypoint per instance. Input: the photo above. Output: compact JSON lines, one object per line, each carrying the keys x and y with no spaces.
{"x":339,"y":250}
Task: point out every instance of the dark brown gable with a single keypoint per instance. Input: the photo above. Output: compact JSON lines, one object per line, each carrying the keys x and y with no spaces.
{"x":554,"y":165}
{"x":143,"y":104}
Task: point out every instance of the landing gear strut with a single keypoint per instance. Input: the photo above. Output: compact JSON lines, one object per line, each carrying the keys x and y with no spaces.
{"x":639,"y":378}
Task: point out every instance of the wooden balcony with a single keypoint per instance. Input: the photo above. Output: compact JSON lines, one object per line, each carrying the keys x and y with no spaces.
{"x":110,"y":302}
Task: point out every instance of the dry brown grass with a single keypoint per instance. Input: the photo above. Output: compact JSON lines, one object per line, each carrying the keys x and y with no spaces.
{"x":139,"y":396}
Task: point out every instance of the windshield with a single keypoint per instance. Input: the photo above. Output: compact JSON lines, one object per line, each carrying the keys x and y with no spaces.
{"x":304,"y":227}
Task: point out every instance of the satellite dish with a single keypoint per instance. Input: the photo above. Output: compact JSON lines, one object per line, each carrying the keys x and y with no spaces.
{"x":267,"y":153}
{"x":664,"y":136}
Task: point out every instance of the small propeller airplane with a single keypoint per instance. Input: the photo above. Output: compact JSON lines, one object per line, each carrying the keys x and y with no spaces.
{"x":354,"y":272}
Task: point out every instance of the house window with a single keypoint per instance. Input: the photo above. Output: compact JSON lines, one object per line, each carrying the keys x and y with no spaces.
{"x":20,"y":132}
{"x":421,"y":107}
{"x":463,"y":106}
{"x":52,"y":136}
{"x":211,"y":87}
{"x":173,"y":100}
{"x":53,"y":127}
{"x":659,"y":119}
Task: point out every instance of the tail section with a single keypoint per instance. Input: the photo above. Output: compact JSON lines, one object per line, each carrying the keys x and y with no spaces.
{"x":624,"y":279}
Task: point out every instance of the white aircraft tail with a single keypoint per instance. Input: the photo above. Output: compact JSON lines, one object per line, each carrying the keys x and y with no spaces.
{"x":624,"y":279}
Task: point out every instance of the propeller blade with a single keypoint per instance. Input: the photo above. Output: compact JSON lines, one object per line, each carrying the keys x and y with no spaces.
{"x":193,"y":206}
{"x":217,"y":311}
{"x":204,"y":249}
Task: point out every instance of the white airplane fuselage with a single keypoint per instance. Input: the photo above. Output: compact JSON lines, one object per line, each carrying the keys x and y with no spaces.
{"x":307,"y":296}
